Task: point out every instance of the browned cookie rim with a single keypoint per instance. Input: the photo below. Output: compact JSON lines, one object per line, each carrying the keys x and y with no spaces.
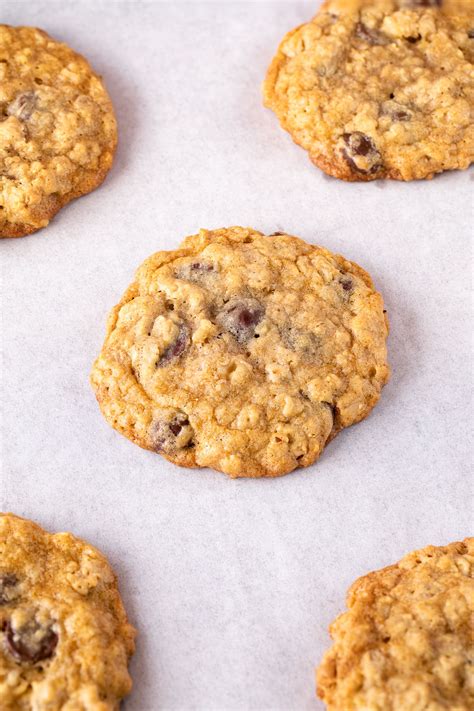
{"x":92,"y":179}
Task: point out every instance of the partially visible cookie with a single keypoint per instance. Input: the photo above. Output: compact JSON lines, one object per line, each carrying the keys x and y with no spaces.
{"x":379,"y":88}
{"x":57,"y":129}
{"x":64,"y":636}
{"x":406,"y":642}
{"x":242,"y":352}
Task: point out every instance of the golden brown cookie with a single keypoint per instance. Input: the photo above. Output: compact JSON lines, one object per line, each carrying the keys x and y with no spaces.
{"x":406,"y":641}
{"x":57,"y":129}
{"x":379,"y":88}
{"x":242,"y":352}
{"x":64,"y":636}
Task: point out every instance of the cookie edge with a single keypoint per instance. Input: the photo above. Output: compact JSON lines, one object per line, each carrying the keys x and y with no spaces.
{"x":324,"y":672}
{"x":91,"y":182}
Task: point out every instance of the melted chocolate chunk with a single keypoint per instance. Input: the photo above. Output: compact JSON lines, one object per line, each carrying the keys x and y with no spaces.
{"x":306,"y":343}
{"x":400,"y":116}
{"x":240,"y":317}
{"x":201,"y":267}
{"x":347,"y":284}
{"x":23,"y":105}
{"x":8,"y":588}
{"x":176,"y":348}
{"x":369,"y":35}
{"x":396,"y":111}
{"x":198,"y":271}
{"x":422,"y":3}
{"x":360,"y":145}
{"x":177,"y":424}
{"x":32,"y":643}
{"x":164,"y":434}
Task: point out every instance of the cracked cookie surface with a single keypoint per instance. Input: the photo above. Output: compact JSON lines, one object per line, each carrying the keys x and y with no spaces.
{"x":379,"y":88}
{"x":64,"y":636}
{"x":405,"y":643}
{"x":242,"y":352}
{"x":57,"y":129}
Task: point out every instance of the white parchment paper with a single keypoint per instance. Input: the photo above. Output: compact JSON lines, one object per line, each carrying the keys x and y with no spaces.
{"x":231,"y":584}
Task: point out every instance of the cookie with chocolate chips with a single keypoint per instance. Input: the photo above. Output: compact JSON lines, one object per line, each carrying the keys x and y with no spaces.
{"x":57,"y":129}
{"x":379,"y":88}
{"x":242,"y":352}
{"x":64,"y":636}
{"x":405,"y":642}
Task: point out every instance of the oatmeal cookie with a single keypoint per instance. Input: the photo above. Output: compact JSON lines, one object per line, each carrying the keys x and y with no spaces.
{"x":406,"y":641}
{"x":242,"y":352}
{"x":64,"y":636}
{"x":379,"y":88}
{"x":57,"y":129}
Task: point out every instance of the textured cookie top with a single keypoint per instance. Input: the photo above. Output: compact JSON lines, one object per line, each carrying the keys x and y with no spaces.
{"x":242,"y":352}
{"x":406,"y":642}
{"x":57,"y":129}
{"x":64,"y":636}
{"x":379,"y":88}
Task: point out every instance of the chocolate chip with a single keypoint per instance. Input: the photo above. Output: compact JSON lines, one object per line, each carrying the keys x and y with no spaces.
{"x":276,"y":234}
{"x":396,"y":111}
{"x":421,"y":3}
{"x":306,"y":343}
{"x":175,"y":428}
{"x":8,"y":588}
{"x":240,"y":317}
{"x":413,"y":40}
{"x":470,"y":34}
{"x":23,"y":105}
{"x":347,"y":284}
{"x":369,"y":35}
{"x":201,"y":267}
{"x":400,"y":116}
{"x":177,"y":425}
{"x":164,"y":434}
{"x":176,"y":348}
{"x":358,"y":145}
{"x":197,"y":271}
{"x":31,"y":643}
